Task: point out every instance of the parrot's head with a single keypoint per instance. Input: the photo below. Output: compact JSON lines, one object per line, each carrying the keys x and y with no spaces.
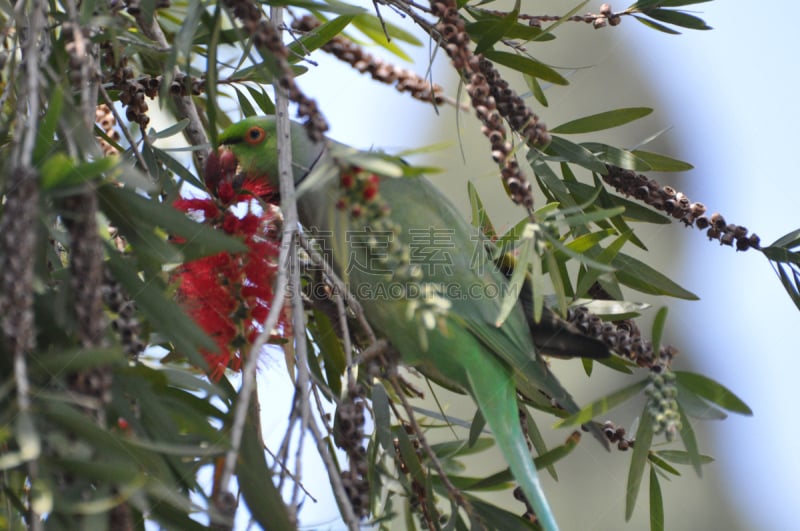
{"x":251,"y":147}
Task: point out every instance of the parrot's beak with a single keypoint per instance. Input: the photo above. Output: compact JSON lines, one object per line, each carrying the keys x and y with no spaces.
{"x":221,"y":166}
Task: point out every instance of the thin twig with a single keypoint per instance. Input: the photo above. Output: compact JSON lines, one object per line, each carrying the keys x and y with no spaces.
{"x":194,"y":132}
{"x":285,"y":469}
{"x":335,"y":478}
{"x":380,"y":18}
{"x":455,"y":494}
{"x":339,"y":287}
{"x":251,"y":363}
{"x":289,"y":209}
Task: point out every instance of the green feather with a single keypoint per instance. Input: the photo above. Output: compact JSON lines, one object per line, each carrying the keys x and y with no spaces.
{"x":450,"y":333}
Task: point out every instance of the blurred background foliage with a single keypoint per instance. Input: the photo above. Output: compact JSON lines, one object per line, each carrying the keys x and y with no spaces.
{"x":109,"y":416}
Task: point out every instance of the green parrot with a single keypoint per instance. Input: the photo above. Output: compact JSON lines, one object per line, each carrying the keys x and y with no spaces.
{"x":425,"y":281}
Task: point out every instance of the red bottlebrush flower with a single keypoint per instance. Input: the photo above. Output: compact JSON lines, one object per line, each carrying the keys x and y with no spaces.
{"x":229,"y":295}
{"x":370,"y":191}
{"x":347,"y":180}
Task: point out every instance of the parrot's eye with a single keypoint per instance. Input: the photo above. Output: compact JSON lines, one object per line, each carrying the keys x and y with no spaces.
{"x":255,"y":135}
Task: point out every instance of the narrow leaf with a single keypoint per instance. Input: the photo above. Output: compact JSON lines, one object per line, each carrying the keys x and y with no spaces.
{"x":576,"y":154}
{"x":497,"y":30}
{"x":528,"y":66}
{"x":642,"y":277}
{"x":690,"y":442}
{"x":602,"y":405}
{"x":656,"y":503}
{"x":658,"y":327}
{"x":713,"y":392}
{"x":644,"y":438}
{"x":383,"y":419}
{"x":601,"y":121}
{"x":661,"y":162}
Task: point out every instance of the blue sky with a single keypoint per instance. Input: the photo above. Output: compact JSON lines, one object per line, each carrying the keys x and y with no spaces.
{"x":733,"y":94}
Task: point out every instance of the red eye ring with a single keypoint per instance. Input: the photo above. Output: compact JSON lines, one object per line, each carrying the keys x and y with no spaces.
{"x":255,"y":135}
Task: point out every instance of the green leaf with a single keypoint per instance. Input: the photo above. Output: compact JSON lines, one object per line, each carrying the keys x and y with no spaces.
{"x":255,"y":480}
{"x":499,"y":518}
{"x":588,"y":277}
{"x":73,"y":360}
{"x":563,"y":18}
{"x":642,"y":277}
{"x":787,"y":241}
{"x":60,"y":171}
{"x":212,"y":73}
{"x":330,"y":348}
{"x":383,"y":418}
{"x":658,"y":327}
{"x":318,"y":37}
{"x":790,"y":284}
{"x":45,"y":135}
{"x":476,"y":427}
{"x":613,"y":310}
{"x":576,"y":154}
{"x":678,"y":18}
{"x":690,"y":442}
{"x":539,"y":444}
{"x":602,"y":405}
{"x":162,"y":313}
{"x":262,"y":100}
{"x":713,"y":392}
{"x":583,"y":243}
{"x":549,"y":458}
{"x":527,"y":256}
{"x":656,"y":26}
{"x":683,"y":458}
{"x":517,"y":31}
{"x":536,"y":89}
{"x":527,"y":65}
{"x":644,"y":438}
{"x":782,"y":254}
{"x":244,"y":104}
{"x":178,"y":169}
{"x":200,"y":239}
{"x":645,"y":4}
{"x":635,"y":211}
{"x":480,"y":218}
{"x":601,"y":121}
{"x":172,"y":130}
{"x":656,"y":460}
{"x":497,"y":30}
{"x":697,"y":407}
{"x":370,"y":26}
{"x":329,"y":6}
{"x":594,"y":215}
{"x":656,"y":503}
{"x":661,"y":162}
{"x":460,"y":447}
{"x":616,"y":156}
